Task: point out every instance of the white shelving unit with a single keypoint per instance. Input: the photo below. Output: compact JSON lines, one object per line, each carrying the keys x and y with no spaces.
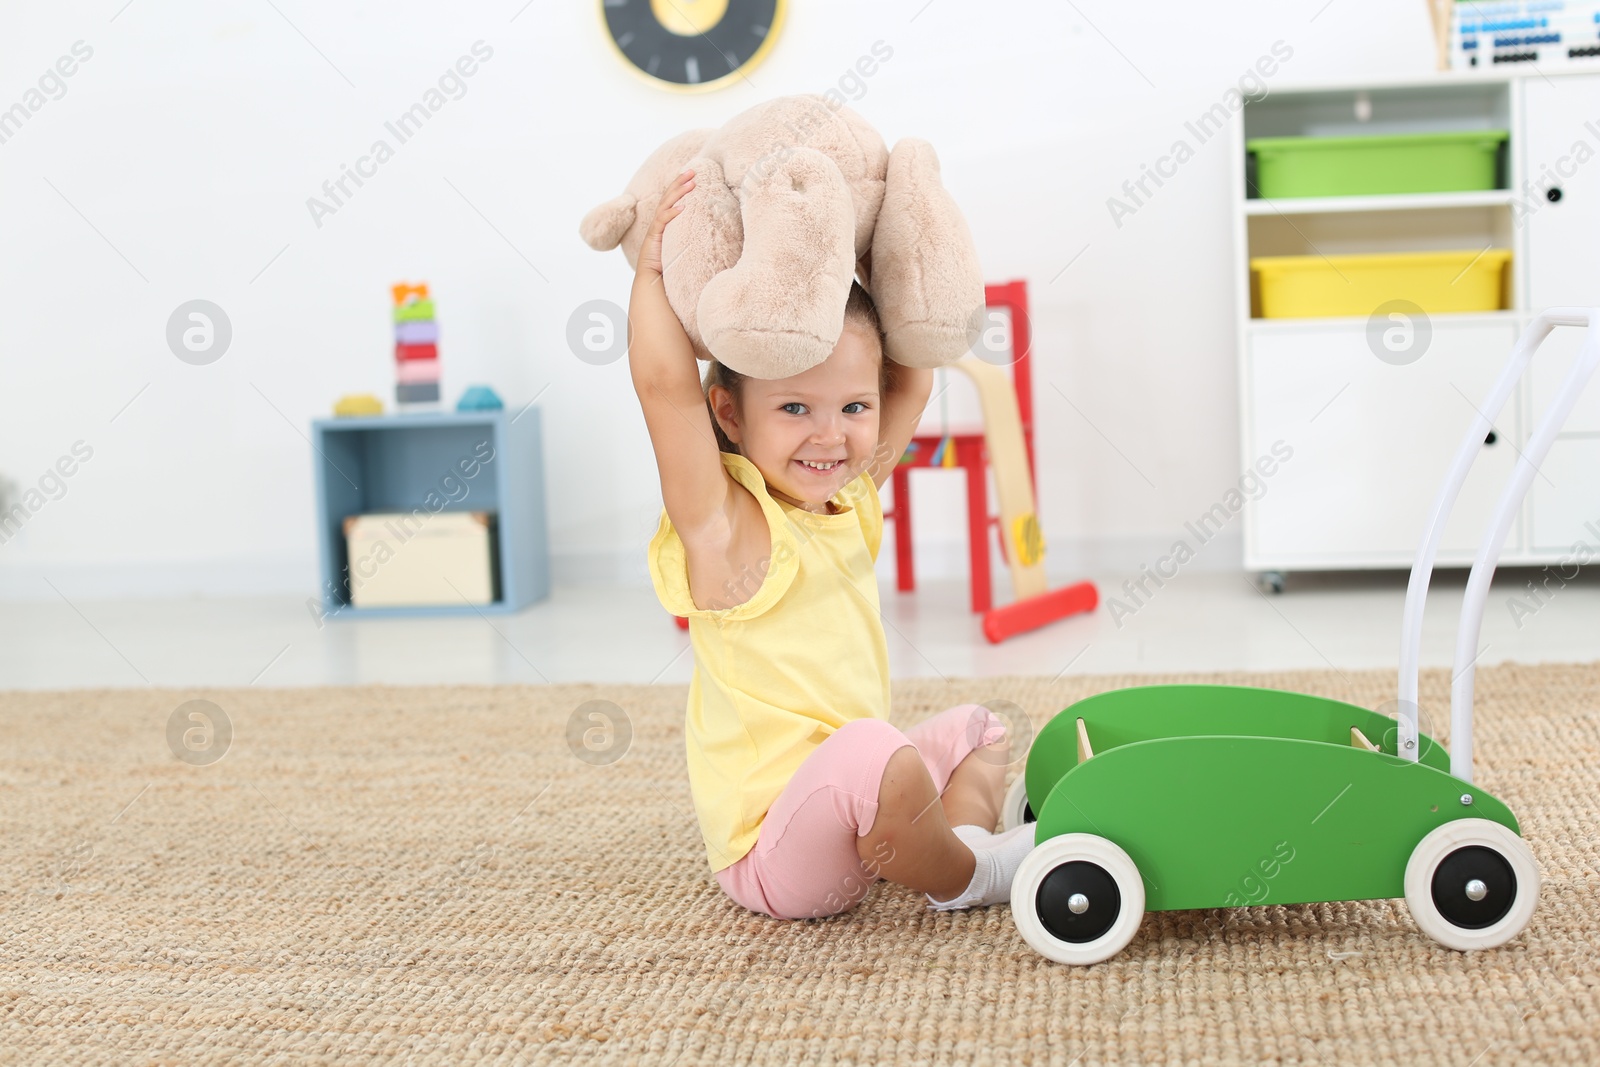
{"x":1371,"y":438}
{"x":1332,"y":205}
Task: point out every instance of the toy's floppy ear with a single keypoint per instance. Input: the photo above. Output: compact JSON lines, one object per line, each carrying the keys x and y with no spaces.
{"x":925,"y":275}
{"x":603,"y":227}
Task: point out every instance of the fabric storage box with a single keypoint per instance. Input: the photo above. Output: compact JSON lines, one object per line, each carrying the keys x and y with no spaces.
{"x":403,"y":559}
{"x":1293,"y":287}
{"x":1387,"y":163}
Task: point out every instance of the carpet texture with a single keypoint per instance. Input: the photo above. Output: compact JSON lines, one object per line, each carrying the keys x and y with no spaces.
{"x":434,"y":875}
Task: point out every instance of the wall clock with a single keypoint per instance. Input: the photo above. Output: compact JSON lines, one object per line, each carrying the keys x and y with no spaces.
{"x":691,"y":45}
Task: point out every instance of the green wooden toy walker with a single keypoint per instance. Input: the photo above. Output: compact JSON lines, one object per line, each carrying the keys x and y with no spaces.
{"x":1201,"y":796}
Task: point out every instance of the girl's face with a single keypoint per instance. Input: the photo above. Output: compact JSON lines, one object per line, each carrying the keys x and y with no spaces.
{"x":813,"y":433}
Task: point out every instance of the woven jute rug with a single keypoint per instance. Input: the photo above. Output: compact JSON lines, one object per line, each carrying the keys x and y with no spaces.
{"x":513,"y":875}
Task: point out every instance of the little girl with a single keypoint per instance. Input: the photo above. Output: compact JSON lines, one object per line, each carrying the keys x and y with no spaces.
{"x":805,"y":794}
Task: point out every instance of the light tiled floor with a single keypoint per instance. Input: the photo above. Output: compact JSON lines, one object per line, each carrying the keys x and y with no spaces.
{"x":1200,"y":622}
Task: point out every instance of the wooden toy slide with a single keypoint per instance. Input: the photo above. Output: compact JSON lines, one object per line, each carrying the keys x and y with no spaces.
{"x":1036,"y":604}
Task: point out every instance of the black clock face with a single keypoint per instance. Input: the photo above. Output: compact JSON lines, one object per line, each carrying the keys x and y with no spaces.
{"x":692,"y":44}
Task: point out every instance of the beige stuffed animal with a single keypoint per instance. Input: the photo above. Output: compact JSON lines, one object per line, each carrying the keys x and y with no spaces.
{"x":788,"y":196}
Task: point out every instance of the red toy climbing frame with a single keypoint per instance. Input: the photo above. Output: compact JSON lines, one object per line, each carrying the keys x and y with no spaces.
{"x":969,"y":450}
{"x":1006,"y":445}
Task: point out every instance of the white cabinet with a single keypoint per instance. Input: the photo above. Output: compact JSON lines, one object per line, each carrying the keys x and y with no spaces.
{"x":1372,"y":438}
{"x":1560,"y":120}
{"x":1371,"y":441}
{"x":1561,"y":152}
{"x":1545,"y":375}
{"x":1563,"y":504}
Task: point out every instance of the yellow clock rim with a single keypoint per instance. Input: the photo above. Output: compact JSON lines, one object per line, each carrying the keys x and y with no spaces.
{"x":778,"y":12}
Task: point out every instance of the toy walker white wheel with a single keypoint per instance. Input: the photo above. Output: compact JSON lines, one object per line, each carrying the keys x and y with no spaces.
{"x":1014,"y":810}
{"x":1077,"y":899}
{"x":1472,"y":884}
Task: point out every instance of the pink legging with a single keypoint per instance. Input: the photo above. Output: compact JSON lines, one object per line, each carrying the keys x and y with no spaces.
{"x":804,"y":864}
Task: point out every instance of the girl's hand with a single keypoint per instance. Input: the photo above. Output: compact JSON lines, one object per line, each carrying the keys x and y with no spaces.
{"x":666,"y":211}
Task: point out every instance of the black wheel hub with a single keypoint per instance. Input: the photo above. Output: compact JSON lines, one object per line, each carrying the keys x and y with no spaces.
{"x":1027,"y":813}
{"x":1092,"y":882}
{"x":1453,"y":887}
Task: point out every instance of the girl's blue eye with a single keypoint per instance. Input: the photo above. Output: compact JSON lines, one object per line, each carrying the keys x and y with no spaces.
{"x":853,"y":404}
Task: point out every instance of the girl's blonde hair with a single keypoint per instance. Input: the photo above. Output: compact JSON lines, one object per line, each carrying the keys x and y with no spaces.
{"x":858,"y":309}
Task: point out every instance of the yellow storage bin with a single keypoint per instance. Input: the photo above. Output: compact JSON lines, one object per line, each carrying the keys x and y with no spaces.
{"x":1299,"y":287}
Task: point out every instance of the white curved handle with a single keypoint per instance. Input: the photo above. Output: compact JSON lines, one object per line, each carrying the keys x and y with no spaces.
{"x":1472,"y":605}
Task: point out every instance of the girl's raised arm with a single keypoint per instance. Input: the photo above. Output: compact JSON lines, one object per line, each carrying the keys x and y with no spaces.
{"x":694,"y":487}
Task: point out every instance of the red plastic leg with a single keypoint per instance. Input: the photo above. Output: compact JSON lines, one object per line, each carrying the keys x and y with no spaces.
{"x":969,"y":454}
{"x":683,"y":623}
{"x":1036,"y":611}
{"x":905,"y":575}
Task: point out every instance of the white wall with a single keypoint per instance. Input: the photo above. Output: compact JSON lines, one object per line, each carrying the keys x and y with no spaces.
{"x":179,"y":161}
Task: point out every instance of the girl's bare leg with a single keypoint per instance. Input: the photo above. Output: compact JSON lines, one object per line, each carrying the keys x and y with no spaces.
{"x":910,"y":842}
{"x":977,"y":786}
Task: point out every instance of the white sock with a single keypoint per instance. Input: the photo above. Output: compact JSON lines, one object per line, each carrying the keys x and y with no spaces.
{"x":997,"y":857}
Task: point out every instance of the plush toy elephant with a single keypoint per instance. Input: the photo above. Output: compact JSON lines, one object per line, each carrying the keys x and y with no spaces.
{"x":788,"y":197}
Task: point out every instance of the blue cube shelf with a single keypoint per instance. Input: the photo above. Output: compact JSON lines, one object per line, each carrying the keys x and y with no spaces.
{"x":377,"y":463}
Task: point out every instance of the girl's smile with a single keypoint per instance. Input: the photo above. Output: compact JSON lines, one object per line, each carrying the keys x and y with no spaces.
{"x":811,"y":433}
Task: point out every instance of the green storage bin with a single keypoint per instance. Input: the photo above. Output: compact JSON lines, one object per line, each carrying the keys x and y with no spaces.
{"x":1368,"y":166}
